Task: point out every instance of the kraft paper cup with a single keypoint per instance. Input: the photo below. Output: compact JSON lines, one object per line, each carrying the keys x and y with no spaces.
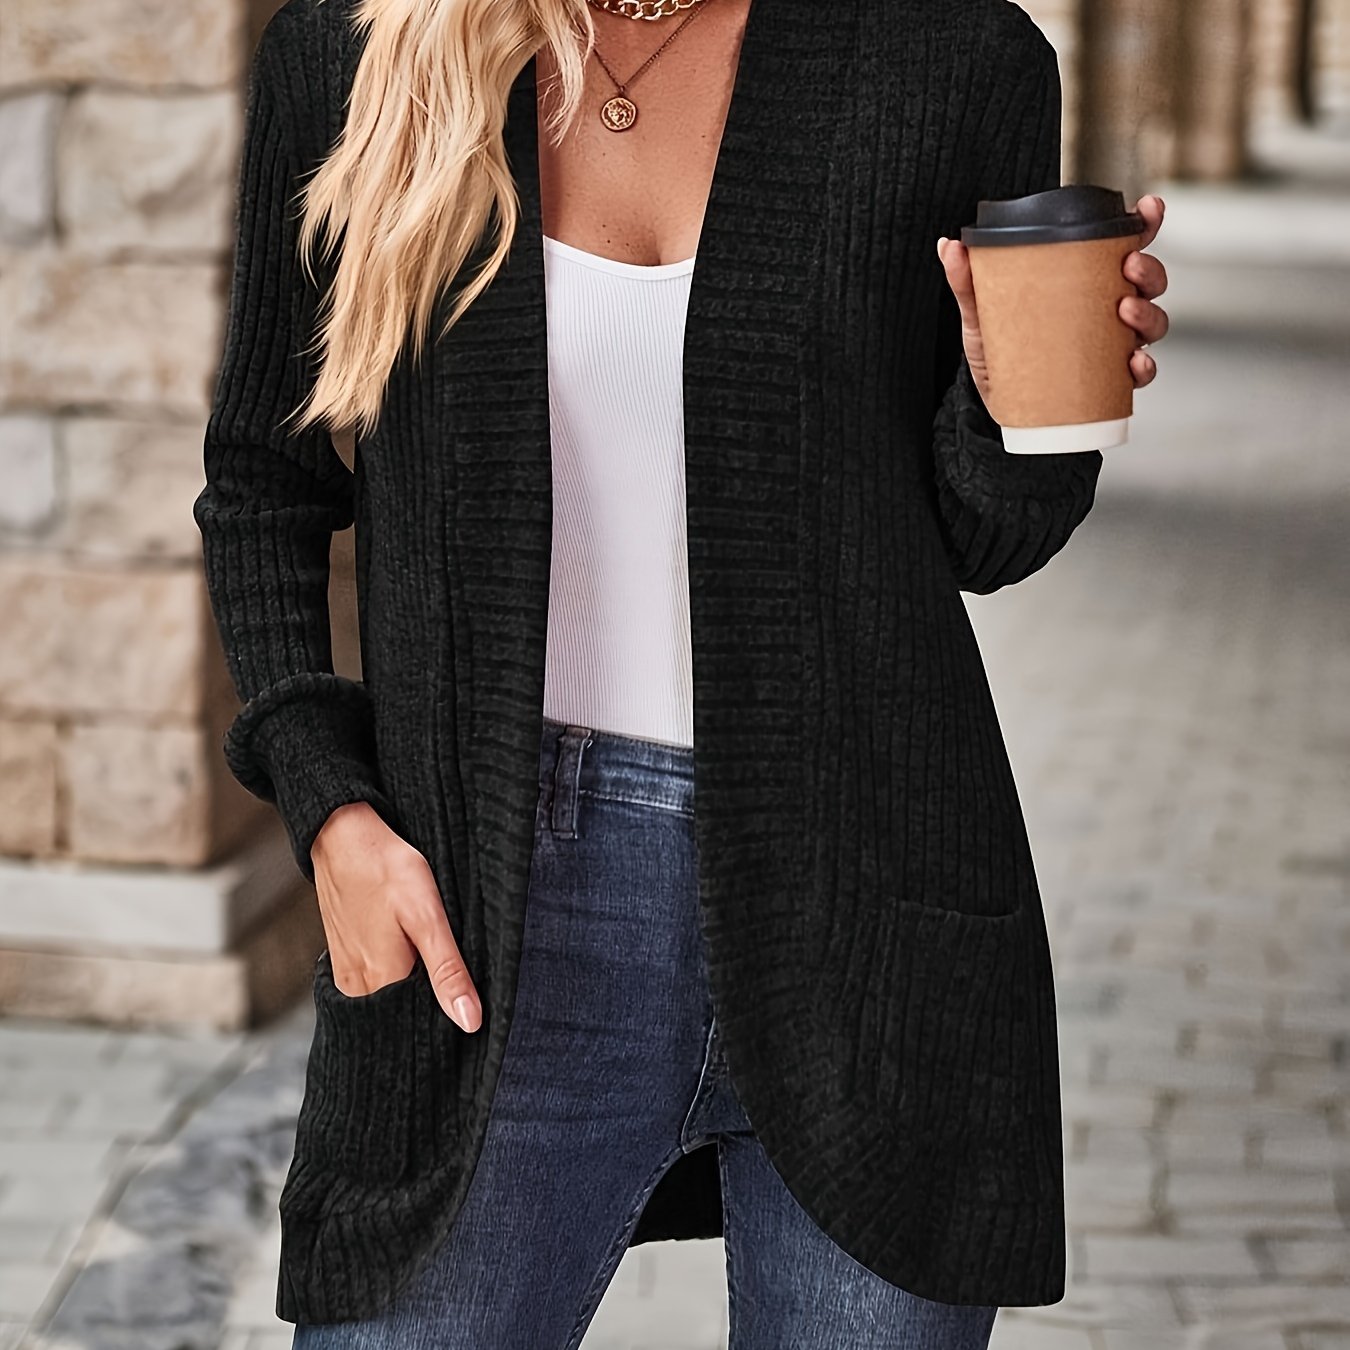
{"x":1048,"y":286}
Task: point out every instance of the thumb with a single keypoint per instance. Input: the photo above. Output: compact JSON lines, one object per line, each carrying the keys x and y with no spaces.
{"x":956,"y":262}
{"x":450,"y":978}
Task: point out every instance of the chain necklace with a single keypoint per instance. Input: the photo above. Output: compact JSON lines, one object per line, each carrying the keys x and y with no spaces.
{"x":620,"y":112}
{"x":644,"y":9}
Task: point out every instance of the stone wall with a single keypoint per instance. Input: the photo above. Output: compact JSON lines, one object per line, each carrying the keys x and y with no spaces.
{"x":119,"y":136}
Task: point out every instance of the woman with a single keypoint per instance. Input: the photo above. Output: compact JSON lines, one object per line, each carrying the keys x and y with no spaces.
{"x":670,"y":464}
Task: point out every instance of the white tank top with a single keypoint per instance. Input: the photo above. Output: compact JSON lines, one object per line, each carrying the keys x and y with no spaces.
{"x":618,"y":653}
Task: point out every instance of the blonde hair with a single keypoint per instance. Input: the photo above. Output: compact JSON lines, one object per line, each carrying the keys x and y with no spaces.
{"x":417,"y":174}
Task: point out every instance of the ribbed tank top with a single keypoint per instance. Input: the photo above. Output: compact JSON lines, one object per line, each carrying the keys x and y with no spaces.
{"x":618,"y":649}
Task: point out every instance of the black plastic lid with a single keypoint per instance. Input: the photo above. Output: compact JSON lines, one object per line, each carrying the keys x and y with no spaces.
{"x":1061,"y":215}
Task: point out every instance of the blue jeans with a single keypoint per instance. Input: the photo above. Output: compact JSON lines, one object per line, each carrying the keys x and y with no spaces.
{"x":612,"y":1070}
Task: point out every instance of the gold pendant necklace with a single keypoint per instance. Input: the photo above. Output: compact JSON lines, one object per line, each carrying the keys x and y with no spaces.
{"x":620,"y":112}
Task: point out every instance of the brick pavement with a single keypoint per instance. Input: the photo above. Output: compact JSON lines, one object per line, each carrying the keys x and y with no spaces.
{"x":1172,"y":691}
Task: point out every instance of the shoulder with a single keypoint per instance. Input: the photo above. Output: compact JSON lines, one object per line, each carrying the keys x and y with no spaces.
{"x":306,"y":40}
{"x":1006,"y":24}
{"x":1017,"y":55}
{"x":991,"y":38}
{"x":982,"y":40}
{"x":301,"y":26}
{"x":1008,"y":66}
{"x":307,"y":54}
{"x":1007,"y":46}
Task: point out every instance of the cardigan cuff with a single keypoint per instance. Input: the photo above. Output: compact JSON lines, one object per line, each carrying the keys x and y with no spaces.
{"x":307,"y":745}
{"x":979,"y":469}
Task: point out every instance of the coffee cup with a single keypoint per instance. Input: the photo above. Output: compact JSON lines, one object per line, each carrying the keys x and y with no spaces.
{"x":1048,"y":286}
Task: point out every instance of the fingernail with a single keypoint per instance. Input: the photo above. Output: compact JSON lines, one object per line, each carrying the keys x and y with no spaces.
{"x":463,"y":1010}
{"x":940,"y":243}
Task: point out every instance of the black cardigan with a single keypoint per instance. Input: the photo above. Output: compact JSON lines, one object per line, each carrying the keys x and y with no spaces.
{"x":878,"y":955}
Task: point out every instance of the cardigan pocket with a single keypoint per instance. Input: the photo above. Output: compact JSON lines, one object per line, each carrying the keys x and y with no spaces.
{"x":961,"y":1007}
{"x":355,"y":1118}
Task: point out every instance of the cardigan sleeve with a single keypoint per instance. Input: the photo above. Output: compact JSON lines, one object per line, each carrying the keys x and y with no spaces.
{"x":303,"y":738}
{"x":1005,"y":515}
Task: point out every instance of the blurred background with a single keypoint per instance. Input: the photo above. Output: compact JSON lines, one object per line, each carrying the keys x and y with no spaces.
{"x":1174,"y":690}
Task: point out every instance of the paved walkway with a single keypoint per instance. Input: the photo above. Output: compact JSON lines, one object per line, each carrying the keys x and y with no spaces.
{"x":1173,"y":694}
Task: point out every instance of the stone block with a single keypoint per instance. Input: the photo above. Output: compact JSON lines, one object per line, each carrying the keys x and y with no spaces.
{"x":1324,"y":1338}
{"x":1257,"y":1195}
{"x":1269,"y":1117}
{"x":1196,"y":1338}
{"x":130,"y":485}
{"x":141,"y":172}
{"x":1309,"y":1152}
{"x":1020,"y":1332}
{"x":270,"y":968}
{"x":28,"y":124}
{"x":1256,"y":1225}
{"x":1142,"y":1259}
{"x":1265,"y":1304}
{"x":147,"y":44}
{"x":1220,"y":1148}
{"x":126,"y":336}
{"x":1106,"y":1143}
{"x":1133,"y":1108}
{"x":28,"y":476}
{"x":1111,"y":1196}
{"x":206,"y":910}
{"x":137,"y":794}
{"x":1308,"y":1085}
{"x":80,"y":640}
{"x":1310,"y":1258}
{"x":1140,"y":1308}
{"x":1212,"y":1079}
{"x":28,"y":787}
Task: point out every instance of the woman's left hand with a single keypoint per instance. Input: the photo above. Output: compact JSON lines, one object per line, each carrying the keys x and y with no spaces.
{"x":1150,"y":280}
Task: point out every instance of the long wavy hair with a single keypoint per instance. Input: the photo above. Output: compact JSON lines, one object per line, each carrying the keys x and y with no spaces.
{"x":416,"y":176}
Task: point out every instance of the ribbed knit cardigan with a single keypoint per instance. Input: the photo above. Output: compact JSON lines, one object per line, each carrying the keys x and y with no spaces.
{"x":877,"y":948}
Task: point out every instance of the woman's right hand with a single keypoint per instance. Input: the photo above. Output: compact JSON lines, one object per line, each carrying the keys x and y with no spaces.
{"x":381,"y":908}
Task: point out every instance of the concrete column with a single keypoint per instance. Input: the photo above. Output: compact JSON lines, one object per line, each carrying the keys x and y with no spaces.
{"x":1129,"y":78}
{"x":1213,"y":98}
{"x":1301,"y":61}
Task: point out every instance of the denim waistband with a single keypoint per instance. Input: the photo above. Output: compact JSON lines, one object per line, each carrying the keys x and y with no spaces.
{"x":623,"y":768}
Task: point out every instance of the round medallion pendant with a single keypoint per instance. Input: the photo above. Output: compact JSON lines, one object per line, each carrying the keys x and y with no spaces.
{"x":619,"y":113}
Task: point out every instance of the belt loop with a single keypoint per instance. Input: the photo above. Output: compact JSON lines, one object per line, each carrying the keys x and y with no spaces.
{"x":566,"y":779}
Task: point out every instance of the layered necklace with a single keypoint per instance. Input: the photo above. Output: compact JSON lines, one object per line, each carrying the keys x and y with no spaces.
{"x":620,"y":112}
